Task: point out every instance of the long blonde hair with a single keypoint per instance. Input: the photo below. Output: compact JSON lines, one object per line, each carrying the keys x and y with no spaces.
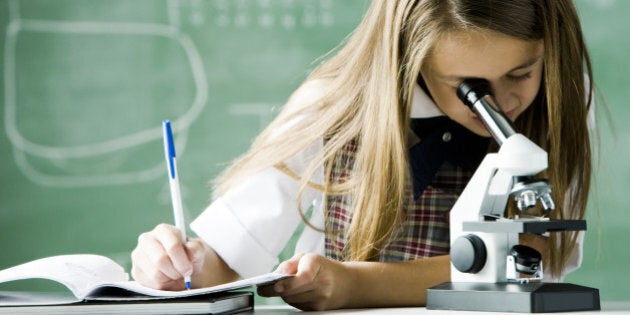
{"x":366,"y":98}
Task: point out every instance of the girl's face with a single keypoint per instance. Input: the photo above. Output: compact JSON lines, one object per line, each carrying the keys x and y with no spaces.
{"x":512,"y":66}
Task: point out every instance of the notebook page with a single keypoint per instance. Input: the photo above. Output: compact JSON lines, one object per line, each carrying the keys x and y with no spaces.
{"x":79,"y":273}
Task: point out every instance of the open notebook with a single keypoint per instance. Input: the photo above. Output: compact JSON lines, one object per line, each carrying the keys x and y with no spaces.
{"x":95,"y":279}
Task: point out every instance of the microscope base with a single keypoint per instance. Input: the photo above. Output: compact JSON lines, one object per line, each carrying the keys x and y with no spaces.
{"x":513,"y":297}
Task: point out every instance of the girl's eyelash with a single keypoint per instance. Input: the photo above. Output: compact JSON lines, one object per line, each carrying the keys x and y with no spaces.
{"x":520,"y":77}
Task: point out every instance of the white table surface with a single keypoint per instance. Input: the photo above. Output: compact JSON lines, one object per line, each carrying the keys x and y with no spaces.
{"x":616,"y":308}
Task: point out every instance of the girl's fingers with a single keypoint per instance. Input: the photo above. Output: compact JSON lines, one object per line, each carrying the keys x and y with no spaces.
{"x":169,"y":238}
{"x":149,"y":276}
{"x":150,"y":254}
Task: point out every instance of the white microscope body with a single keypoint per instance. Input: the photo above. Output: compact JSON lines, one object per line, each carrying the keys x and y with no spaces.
{"x":486,"y":196}
{"x":490,"y":270}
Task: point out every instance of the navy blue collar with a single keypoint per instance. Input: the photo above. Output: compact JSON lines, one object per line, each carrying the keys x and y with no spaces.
{"x":442,"y":139}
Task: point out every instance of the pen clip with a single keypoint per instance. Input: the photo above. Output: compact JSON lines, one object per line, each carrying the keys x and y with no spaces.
{"x":169,"y":147}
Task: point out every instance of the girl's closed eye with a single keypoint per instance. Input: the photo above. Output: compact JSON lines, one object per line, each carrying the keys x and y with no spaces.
{"x":521,"y":77}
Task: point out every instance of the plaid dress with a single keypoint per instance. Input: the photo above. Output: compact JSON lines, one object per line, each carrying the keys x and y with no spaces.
{"x":425,"y":228}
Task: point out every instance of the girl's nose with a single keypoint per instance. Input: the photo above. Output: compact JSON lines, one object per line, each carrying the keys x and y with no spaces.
{"x":507,"y":100}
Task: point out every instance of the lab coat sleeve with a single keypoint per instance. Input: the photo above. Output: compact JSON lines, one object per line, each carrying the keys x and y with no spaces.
{"x":250,"y":225}
{"x":252,"y":222}
{"x":575,"y":259}
{"x":590,"y":117}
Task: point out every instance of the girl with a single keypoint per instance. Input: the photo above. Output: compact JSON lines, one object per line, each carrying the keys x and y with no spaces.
{"x":374,"y":148}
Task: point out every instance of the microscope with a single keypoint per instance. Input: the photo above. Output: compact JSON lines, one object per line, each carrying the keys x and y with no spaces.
{"x":490,"y":270}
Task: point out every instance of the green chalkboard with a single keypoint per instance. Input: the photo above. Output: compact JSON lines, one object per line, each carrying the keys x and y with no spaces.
{"x":86,"y":84}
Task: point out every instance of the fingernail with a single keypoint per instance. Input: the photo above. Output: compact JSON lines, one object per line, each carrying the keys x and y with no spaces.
{"x":278,"y":287}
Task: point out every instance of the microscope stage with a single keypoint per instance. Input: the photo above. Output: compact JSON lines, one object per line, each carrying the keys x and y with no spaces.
{"x":524,"y":226}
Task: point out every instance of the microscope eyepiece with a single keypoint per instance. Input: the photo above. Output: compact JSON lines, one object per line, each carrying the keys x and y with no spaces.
{"x":477,"y":95}
{"x":472,"y":90}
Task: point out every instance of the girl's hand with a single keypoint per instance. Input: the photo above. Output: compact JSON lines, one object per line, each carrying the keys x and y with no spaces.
{"x":160,"y":260}
{"x":319,"y":283}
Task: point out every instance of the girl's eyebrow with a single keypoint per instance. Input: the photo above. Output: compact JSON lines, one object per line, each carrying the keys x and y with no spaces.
{"x":526,"y":64}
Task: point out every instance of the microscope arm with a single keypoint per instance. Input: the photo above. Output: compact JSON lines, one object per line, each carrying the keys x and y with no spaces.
{"x":487,"y":192}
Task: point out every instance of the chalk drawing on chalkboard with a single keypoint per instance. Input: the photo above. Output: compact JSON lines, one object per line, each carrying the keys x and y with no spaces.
{"x":283,"y":14}
{"x":60,"y":137}
{"x":265,"y":112}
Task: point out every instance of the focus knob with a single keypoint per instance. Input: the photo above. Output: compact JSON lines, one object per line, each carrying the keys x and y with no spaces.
{"x":468,"y":254}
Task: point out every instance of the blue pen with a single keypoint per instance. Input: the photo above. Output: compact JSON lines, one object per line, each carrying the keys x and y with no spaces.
{"x":173,"y":181}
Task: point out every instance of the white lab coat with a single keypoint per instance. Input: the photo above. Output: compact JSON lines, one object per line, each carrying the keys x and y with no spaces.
{"x":251,"y":224}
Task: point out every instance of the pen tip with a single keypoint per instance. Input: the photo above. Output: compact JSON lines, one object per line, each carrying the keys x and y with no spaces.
{"x":188,"y":285}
